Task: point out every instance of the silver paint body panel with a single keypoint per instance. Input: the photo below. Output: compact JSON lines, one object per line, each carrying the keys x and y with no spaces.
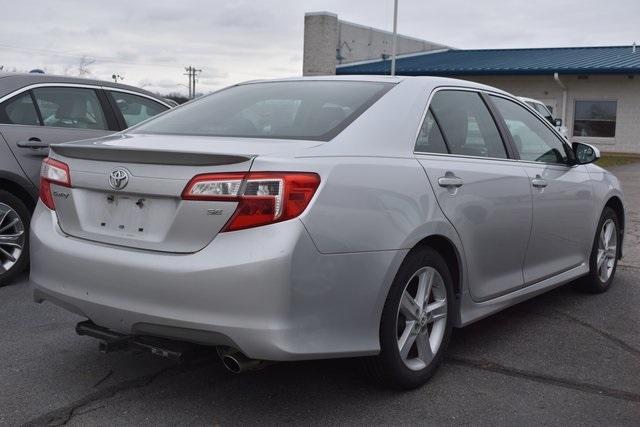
{"x":314,"y":286}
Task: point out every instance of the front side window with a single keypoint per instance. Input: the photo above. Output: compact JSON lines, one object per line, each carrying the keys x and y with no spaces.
{"x":19,"y":110}
{"x":532,"y":138}
{"x":70,"y":107}
{"x":466,"y":124}
{"x":595,"y":118}
{"x":312,"y":110}
{"x":134,"y":108}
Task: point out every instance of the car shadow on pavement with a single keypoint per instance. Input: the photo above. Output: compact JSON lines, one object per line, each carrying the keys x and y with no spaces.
{"x":561,"y":347}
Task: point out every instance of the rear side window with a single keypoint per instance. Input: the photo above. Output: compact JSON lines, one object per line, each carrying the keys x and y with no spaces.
{"x":467,"y":125}
{"x":312,"y":110}
{"x":134,"y":108}
{"x":70,"y":107}
{"x":532,"y":138}
{"x":430,"y":138}
{"x":19,"y":110}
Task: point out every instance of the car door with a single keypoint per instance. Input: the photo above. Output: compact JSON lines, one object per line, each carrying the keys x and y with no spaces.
{"x":563,"y":203}
{"x":34,"y":119}
{"x":483,"y":193}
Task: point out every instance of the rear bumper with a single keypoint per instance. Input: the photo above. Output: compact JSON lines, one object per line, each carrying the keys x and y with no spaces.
{"x":266,"y":291}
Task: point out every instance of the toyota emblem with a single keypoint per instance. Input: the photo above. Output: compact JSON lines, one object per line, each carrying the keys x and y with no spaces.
{"x":119,"y":178}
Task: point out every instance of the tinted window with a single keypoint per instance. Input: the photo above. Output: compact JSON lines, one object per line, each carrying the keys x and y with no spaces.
{"x":135,"y":108}
{"x":595,"y":118}
{"x":19,"y":110}
{"x":430,"y":138}
{"x":70,"y":107}
{"x":316,"y":110}
{"x":532,"y":138}
{"x":467,"y":125}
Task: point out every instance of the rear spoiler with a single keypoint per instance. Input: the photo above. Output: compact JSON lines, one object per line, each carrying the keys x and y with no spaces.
{"x":137,"y":155}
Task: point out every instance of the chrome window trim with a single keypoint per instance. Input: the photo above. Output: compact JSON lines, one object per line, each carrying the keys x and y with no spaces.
{"x":533,"y":162}
{"x":59,"y":127}
{"x":80,"y":85}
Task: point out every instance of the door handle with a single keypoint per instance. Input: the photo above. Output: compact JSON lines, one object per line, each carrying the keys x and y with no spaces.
{"x":450,"y":180}
{"x":33,"y":143}
{"x":539,"y":182}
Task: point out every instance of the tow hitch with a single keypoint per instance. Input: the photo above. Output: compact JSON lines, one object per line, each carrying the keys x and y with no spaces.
{"x":113,"y":341}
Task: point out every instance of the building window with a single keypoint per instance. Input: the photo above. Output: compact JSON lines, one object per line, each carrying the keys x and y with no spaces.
{"x":595,"y":118}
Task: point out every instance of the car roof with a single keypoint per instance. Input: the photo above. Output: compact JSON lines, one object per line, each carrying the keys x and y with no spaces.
{"x":10,"y":82}
{"x":422,"y":81}
{"x":524,"y":99}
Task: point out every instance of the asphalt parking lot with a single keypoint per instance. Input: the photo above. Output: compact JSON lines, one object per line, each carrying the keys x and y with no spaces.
{"x":563,"y":357}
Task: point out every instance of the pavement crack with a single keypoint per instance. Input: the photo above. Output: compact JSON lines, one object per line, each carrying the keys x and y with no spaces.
{"x":62,"y":416}
{"x":103,"y":379}
{"x":544,"y":379}
{"x":567,"y":317}
{"x":601,"y":332}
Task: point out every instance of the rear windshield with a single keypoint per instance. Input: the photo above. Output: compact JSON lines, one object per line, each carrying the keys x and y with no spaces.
{"x":313,"y":110}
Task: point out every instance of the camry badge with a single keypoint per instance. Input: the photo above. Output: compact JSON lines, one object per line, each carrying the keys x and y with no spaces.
{"x":118,"y":178}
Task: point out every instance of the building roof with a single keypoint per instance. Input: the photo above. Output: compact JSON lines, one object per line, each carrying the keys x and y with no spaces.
{"x":458,"y":62}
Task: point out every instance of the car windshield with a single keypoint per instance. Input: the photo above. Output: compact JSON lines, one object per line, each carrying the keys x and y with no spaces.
{"x":312,"y":110}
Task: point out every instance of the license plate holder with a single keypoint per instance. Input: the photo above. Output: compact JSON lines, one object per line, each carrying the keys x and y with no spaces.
{"x":124,"y":214}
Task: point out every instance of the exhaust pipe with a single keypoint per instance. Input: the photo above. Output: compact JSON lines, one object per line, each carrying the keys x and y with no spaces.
{"x":235,"y":361}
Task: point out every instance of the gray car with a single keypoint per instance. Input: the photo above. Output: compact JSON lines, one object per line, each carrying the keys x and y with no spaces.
{"x":37,"y":110}
{"x":322,"y":217}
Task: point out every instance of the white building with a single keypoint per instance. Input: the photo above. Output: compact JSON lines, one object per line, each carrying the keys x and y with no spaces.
{"x":594,"y":90}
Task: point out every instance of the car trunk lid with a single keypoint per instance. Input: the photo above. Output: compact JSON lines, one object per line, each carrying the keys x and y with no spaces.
{"x":126,"y":190}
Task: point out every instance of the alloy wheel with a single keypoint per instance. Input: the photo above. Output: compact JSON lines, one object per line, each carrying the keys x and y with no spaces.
{"x":607,"y":250}
{"x":12,"y":237}
{"x":422,"y":318}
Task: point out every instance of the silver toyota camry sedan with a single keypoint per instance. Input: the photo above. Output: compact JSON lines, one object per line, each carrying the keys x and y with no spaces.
{"x":321,"y":217}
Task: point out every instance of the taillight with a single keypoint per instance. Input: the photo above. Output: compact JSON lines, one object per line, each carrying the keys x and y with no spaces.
{"x":263,"y":197}
{"x":52,"y":172}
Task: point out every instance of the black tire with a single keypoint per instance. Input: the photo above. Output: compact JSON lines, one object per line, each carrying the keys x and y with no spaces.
{"x":593,"y":282}
{"x":22,"y":261}
{"x":388,"y":368}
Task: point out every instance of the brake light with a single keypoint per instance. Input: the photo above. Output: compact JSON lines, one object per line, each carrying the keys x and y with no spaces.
{"x":52,"y":172}
{"x":263,"y":197}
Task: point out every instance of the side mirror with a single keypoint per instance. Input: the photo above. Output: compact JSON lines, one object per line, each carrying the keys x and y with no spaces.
{"x":585,"y":153}
{"x":557,"y":122}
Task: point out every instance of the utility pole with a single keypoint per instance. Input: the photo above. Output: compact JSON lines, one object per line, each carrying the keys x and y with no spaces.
{"x":192,"y":73}
{"x":195,"y":75}
{"x":116,"y":77}
{"x":188,"y":74}
{"x":395,"y":37}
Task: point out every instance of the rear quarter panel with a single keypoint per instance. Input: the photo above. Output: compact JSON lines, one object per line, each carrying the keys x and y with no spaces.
{"x":366,"y":204}
{"x":367,"y":210}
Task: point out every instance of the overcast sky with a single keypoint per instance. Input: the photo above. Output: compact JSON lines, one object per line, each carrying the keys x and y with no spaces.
{"x":150,"y":41}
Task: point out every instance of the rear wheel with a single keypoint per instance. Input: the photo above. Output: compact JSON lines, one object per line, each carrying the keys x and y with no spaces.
{"x":14,"y":230}
{"x":416,"y":322}
{"x":604,"y":255}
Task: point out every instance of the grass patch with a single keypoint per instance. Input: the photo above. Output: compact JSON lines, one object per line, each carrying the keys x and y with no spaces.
{"x":617,"y":159}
